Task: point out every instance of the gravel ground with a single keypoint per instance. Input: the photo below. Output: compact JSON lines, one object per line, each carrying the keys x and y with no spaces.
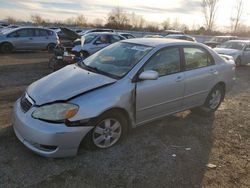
{"x":171,"y":152}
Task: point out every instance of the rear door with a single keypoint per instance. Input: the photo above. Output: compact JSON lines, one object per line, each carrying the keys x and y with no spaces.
{"x":41,"y":39}
{"x":155,"y":98}
{"x":200,"y":75}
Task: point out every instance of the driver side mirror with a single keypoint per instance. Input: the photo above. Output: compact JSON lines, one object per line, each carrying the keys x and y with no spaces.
{"x":149,"y":75}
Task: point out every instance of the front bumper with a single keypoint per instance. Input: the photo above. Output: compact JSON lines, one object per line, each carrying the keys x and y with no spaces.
{"x":47,"y":139}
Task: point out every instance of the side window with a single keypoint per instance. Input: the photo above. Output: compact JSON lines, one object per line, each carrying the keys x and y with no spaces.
{"x":42,"y":32}
{"x":166,"y":61}
{"x":25,"y":33}
{"x":103,"y":39}
{"x":13,"y":34}
{"x":114,"y":38}
{"x":196,"y":58}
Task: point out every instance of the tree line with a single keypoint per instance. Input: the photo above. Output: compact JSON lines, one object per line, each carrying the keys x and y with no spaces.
{"x":117,"y":18}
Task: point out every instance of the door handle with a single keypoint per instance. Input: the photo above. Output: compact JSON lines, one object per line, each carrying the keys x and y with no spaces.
{"x":179,"y":79}
{"x":31,"y":38}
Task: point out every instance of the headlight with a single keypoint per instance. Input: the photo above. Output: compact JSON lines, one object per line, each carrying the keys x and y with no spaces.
{"x":56,"y":112}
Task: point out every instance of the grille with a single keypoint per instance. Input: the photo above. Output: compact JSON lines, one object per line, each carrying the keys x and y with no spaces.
{"x":25,"y":103}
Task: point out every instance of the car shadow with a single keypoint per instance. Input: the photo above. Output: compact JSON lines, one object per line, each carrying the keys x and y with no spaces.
{"x":171,"y":152}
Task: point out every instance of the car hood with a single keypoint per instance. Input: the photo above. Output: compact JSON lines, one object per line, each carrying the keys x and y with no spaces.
{"x":70,"y":34}
{"x":65,"y":84}
{"x":226,"y":51}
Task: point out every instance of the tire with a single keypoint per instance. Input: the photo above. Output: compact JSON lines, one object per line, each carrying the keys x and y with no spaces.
{"x":214,"y":99}
{"x":6,"y":47}
{"x":238,"y":61}
{"x":51,"y":47}
{"x":110,"y":128}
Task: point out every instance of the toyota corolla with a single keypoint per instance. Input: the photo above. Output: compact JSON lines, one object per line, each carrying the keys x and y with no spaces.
{"x":122,"y":86}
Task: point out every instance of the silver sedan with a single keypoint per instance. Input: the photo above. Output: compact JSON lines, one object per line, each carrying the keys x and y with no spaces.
{"x":238,"y":49}
{"x":122,"y":86}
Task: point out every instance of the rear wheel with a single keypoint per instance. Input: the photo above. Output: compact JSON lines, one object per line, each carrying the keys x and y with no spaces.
{"x":6,"y":48}
{"x":213,"y":101}
{"x":51,"y":47}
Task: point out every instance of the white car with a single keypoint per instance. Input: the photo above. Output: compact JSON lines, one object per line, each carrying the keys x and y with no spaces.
{"x":238,"y":49}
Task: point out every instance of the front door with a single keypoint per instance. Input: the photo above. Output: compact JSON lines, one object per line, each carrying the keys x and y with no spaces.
{"x":156,"y":98}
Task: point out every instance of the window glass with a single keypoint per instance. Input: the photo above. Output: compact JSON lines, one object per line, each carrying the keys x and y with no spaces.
{"x":103,"y":39}
{"x":25,"y":33}
{"x":196,"y":58}
{"x":166,"y":61}
{"x":43,"y":32}
{"x":114,"y":38}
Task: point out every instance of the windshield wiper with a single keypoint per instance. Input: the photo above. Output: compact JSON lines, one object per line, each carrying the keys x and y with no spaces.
{"x":96,"y":70}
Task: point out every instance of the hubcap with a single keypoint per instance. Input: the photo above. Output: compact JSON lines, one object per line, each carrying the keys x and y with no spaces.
{"x":215,"y":99}
{"x":107,"y":133}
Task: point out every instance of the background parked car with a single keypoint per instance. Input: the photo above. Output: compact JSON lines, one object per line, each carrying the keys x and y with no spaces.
{"x":238,"y":49}
{"x":28,"y":38}
{"x":215,"y":41}
{"x":181,"y":36}
{"x":153,"y":36}
{"x":93,"y":42}
{"x":127,"y":35}
{"x":96,"y":30}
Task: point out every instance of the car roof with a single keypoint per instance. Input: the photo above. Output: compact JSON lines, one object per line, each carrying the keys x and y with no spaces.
{"x":245,"y":41}
{"x":225,"y":36}
{"x":157,"y":42}
{"x":102,"y":33}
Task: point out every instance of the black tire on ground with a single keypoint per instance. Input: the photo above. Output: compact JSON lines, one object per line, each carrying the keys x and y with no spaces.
{"x":209,"y":107}
{"x":238,"y":61}
{"x":51,"y":47}
{"x":6,"y":47}
{"x":88,"y":141}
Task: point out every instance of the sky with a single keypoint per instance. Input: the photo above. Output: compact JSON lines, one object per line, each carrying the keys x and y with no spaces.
{"x":186,"y":11}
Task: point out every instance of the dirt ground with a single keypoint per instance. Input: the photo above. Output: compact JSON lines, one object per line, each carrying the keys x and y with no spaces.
{"x":171,"y":152}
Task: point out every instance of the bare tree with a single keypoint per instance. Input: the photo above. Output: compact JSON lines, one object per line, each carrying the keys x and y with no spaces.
{"x":166,"y":24}
{"x":11,"y":20}
{"x":81,"y":20}
{"x":236,"y":15}
{"x":209,"y":8}
{"x":136,"y":21}
{"x":98,"y":22}
{"x":117,"y":19}
{"x":37,"y":19}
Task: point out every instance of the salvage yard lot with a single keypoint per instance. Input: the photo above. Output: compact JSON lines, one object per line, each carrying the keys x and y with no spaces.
{"x":171,"y":152}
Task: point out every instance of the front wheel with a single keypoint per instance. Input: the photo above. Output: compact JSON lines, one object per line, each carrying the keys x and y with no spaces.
{"x":109,"y":129}
{"x":238,"y":61}
{"x":6,"y":48}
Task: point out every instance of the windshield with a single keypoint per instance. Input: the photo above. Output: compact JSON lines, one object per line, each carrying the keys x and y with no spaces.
{"x":232,"y":45}
{"x":218,"y":39}
{"x":117,"y":59}
{"x":88,"y":38}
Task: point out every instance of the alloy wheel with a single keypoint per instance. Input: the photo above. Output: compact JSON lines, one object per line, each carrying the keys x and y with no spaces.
{"x":107,"y":133}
